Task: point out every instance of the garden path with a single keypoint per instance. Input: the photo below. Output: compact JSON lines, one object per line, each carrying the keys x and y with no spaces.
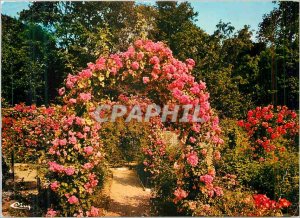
{"x":127,"y":196}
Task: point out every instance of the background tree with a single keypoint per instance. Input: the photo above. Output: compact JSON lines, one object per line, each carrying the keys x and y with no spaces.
{"x":61,"y":37}
{"x":29,"y":60}
{"x":279,"y":64}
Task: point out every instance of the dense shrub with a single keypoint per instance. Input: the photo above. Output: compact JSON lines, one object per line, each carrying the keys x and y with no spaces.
{"x":124,"y":141}
{"x":164,"y":184}
{"x":267,"y":125}
{"x":27,"y":131}
{"x":277,"y":178}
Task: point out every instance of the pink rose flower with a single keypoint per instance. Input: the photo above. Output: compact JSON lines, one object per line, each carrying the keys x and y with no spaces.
{"x":54,"y":186}
{"x":94,"y":212}
{"x":192,"y":159}
{"x":69,"y":84}
{"x":179,"y":194}
{"x":51,"y":151}
{"x":72,"y":140}
{"x":78,"y":121}
{"x":61,"y":91}
{"x":63,"y":142}
{"x":154,"y":60}
{"x":72,"y":101}
{"x":135,"y":65}
{"x":69,"y":171}
{"x":140,"y":56}
{"x":190,"y":62}
{"x":146,"y":80}
{"x":80,"y":135}
{"x":210,"y":193}
{"x":86,"y":129}
{"x":207,"y":179}
{"x":202,"y":85}
{"x":88,"y":166}
{"x":86,"y":73}
{"x":138,"y":43}
{"x":100,"y":63}
{"x":55,"y":167}
{"x":51,"y":213}
{"x":55,"y":142}
{"x":184,"y":99}
{"x":73,"y":200}
{"x":192,"y":139}
{"x":85,"y":96}
{"x":154,"y":75}
{"x":195,"y":89}
{"x":218,"y":191}
{"x":88,"y":150}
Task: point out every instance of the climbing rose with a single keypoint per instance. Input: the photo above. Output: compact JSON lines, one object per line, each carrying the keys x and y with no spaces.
{"x":85,"y":96}
{"x":55,"y":167}
{"x":73,"y":200}
{"x":140,"y":56}
{"x":63,"y":142}
{"x":61,"y":91}
{"x":207,"y":179}
{"x":135,"y":65}
{"x":180,"y":194}
{"x":192,"y":139}
{"x":218,"y":191}
{"x":85,"y":73}
{"x":154,"y":60}
{"x":72,"y":140}
{"x":145,"y":80}
{"x":94,"y":211}
{"x":190,"y":62}
{"x":72,"y":101}
{"x":192,"y":159}
{"x":87,"y":166}
{"x":217,"y":155}
{"x":88,"y":150}
{"x":51,"y":213}
{"x":204,"y":151}
{"x":86,"y":129}
{"x":69,"y":171}
{"x":54,"y":186}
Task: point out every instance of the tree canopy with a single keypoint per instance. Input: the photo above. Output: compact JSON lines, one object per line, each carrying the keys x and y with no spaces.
{"x":52,"y":39}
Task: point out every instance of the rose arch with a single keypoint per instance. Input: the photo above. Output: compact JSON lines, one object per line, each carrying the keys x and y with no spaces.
{"x":147,"y":73}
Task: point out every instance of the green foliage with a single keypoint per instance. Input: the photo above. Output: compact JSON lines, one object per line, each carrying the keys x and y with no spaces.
{"x":239,"y":73}
{"x":164,"y":185}
{"x":30,"y":63}
{"x":279,"y":30}
{"x":124,"y":141}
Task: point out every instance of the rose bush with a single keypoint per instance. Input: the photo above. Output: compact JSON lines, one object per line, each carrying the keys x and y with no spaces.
{"x":276,"y":178}
{"x":266,"y":125}
{"x":27,"y":131}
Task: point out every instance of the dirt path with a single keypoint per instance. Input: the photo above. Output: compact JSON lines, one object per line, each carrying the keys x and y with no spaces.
{"x":128,"y":197}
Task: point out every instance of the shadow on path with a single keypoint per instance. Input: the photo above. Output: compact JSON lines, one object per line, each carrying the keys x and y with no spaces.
{"x":128,"y":197}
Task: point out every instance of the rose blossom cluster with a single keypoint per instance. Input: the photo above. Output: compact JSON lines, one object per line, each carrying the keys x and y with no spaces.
{"x":80,"y":136}
{"x":266,"y":124}
{"x":263,"y":202}
{"x":31,"y":127}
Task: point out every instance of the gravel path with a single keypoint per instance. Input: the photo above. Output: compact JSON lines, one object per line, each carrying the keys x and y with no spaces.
{"x":127,"y":195}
